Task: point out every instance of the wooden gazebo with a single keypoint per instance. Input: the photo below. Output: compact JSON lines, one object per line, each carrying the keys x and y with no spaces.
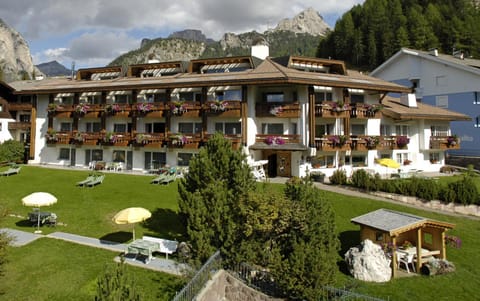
{"x":385,"y":226}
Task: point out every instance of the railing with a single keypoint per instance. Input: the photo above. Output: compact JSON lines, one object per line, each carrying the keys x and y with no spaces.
{"x":444,"y":142}
{"x":331,"y":110}
{"x":356,"y":143}
{"x":195,"y":285}
{"x":332,"y":293}
{"x":365,"y":111}
{"x":149,"y":139}
{"x":291,"y":110}
{"x":223,"y":109}
{"x":235,"y":139}
{"x":12,"y":106}
{"x":277,"y":139}
{"x":18,"y":125}
{"x":258,"y":279}
{"x":181,"y":140}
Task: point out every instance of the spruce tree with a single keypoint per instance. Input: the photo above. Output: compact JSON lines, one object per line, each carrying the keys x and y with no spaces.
{"x":116,"y":285}
{"x":217,"y":180}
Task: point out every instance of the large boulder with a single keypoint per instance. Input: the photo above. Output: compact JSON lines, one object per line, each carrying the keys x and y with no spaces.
{"x":368,"y":262}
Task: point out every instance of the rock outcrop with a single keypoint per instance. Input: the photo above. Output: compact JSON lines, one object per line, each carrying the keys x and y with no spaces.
{"x":15,"y":59}
{"x":368,"y":262}
{"x":308,"y":21}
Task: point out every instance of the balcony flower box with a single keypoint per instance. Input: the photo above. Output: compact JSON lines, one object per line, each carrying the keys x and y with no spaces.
{"x":271,"y":140}
{"x":81,"y":109}
{"x":402,"y":141}
{"x":178,"y":108}
{"x":143,"y":108}
{"x":452,"y":141}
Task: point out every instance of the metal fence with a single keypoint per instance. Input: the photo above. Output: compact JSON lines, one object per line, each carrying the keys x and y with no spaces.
{"x":195,"y":285}
{"x":333,"y":293}
{"x":258,"y":279}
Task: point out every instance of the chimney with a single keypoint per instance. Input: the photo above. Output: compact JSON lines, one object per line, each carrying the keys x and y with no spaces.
{"x":260,"y":49}
{"x":408,"y":100}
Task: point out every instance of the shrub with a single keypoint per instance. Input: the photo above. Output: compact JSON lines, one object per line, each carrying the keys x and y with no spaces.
{"x":339,"y":177}
{"x":427,"y":189}
{"x":465,"y":191}
{"x":11,"y":151}
{"x":361,"y":179}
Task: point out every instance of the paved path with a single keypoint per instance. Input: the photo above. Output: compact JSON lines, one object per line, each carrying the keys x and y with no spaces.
{"x":21,"y":238}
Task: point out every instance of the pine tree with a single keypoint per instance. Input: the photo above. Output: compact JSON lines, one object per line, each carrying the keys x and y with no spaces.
{"x":116,"y":285}
{"x":217,"y":181}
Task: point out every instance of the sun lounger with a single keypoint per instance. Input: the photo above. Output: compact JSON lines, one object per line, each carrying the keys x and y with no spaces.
{"x":98,"y":180}
{"x":168,"y":179}
{"x":86,"y":181}
{"x":10,"y":171}
{"x":158,"y":179}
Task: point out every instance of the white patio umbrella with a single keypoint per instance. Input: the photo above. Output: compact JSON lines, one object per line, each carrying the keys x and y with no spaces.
{"x":132,"y":215}
{"x":39,"y":199}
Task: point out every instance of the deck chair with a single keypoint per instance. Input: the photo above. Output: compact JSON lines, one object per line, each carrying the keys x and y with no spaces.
{"x":10,"y":171}
{"x":158,"y":179}
{"x":86,"y":181}
{"x":168,"y":179}
{"x":98,"y":180}
{"x":406,"y":260}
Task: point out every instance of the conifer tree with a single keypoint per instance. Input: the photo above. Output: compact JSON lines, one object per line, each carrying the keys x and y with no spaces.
{"x":217,"y":180}
{"x":116,"y":285}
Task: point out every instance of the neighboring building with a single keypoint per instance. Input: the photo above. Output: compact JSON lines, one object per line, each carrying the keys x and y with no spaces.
{"x":445,"y":81}
{"x":298,"y":113}
{"x":14,"y":115}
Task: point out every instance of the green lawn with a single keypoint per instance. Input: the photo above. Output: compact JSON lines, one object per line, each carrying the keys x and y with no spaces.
{"x":56,"y":270}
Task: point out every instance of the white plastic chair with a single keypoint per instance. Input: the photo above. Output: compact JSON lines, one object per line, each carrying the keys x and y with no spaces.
{"x":406,"y":259}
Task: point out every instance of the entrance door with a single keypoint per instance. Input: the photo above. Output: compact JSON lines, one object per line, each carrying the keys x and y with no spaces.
{"x":284,"y":168}
{"x":272,"y":165}
{"x":129,"y":160}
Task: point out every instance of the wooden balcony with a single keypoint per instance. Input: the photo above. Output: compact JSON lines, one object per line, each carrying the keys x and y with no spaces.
{"x":93,"y":111}
{"x":185,"y":108}
{"x":61,"y":111}
{"x":18,"y":106}
{"x":236,"y":140}
{"x":389,"y":143}
{"x":331,"y":143}
{"x":119,"y":110}
{"x":327,"y":110}
{"x":444,"y":142}
{"x":188,"y":141}
{"x":365,"y":111}
{"x":271,"y":139}
{"x":59,"y":138}
{"x":291,"y":110}
{"x":17,"y":125}
{"x":152,"y":110}
{"x":223,"y":109}
{"x":115,"y":139}
{"x":150,"y":140}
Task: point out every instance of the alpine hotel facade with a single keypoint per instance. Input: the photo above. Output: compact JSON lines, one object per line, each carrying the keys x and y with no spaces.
{"x":300,"y":114}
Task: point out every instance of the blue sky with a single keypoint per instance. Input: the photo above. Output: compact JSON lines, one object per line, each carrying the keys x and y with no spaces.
{"x":94,"y":32}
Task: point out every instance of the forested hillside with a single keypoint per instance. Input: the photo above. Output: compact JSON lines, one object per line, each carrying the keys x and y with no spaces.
{"x":369,"y":34}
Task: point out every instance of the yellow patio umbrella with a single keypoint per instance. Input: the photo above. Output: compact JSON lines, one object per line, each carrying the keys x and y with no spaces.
{"x":387,"y":162}
{"x":132,"y":215}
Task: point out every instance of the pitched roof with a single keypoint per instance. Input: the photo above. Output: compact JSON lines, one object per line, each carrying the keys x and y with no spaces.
{"x":266,"y":73}
{"x":466,"y":64}
{"x":395,"y":222}
{"x":394,"y":109}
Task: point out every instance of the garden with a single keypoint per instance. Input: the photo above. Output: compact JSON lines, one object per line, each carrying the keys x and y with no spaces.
{"x":48,"y":269}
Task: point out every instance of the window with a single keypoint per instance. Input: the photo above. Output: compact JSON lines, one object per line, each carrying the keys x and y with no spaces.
{"x":378,"y":236}
{"x":64,"y":154}
{"x":66,"y":100}
{"x":120,"y":128}
{"x":358,"y":129}
{"x":93,"y":99}
{"x":440,"y":130}
{"x":65,"y":127}
{"x":274,"y":97}
{"x":94,"y":127}
{"x":441,"y":101}
{"x":189,"y":127}
{"x":477,"y":122}
{"x":157,"y":127}
{"x":401,"y":130}
{"x":24,"y":118}
{"x":25,"y":98}
{"x":121,"y":98}
{"x":359,"y":161}
{"x":427,"y":238}
{"x":357,"y":98}
{"x":186,"y":96}
{"x":322,"y":161}
{"x":228,"y":128}
{"x":93,"y":155}
{"x":232,"y":95}
{"x":323,"y":129}
{"x":155,"y":160}
{"x":183,"y":159}
{"x":434,"y":158}
{"x":323,"y":96}
{"x":272,"y":128}
{"x":476,"y":98}
{"x":385,"y":130}
{"x":118,"y":156}
{"x":402,"y":157}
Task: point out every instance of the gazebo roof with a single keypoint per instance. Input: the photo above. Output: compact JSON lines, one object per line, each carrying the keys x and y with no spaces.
{"x":395,"y":222}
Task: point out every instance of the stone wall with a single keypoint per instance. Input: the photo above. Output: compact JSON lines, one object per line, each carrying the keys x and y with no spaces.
{"x":473,"y":210}
{"x":225,"y":287}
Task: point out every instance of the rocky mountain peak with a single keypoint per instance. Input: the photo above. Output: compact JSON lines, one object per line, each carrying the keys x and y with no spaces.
{"x":308,"y":21}
{"x":191,"y":34}
{"x":15,"y":58}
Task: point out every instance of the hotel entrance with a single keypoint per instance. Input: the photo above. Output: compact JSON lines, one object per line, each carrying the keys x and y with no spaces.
{"x":279,"y":163}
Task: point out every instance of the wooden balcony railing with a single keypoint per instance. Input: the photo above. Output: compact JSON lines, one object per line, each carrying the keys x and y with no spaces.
{"x":444,"y":142}
{"x":116,"y":139}
{"x":58,"y":137}
{"x":362,"y":111}
{"x":185,"y":108}
{"x":117,"y":109}
{"x":272,"y":139}
{"x":149,"y":140}
{"x":223,"y":108}
{"x":236,"y":140}
{"x":151,"y":110}
{"x":331,"y":110}
{"x":291,"y":110}
{"x":17,"y":125}
{"x":17,"y":106}
{"x":179,"y":140}
{"x":332,"y":143}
